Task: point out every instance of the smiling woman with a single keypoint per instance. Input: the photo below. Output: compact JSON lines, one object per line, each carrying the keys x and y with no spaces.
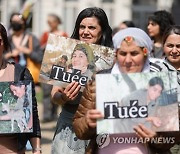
{"x":90,"y":30}
{"x":92,"y":27}
{"x":171,"y":62}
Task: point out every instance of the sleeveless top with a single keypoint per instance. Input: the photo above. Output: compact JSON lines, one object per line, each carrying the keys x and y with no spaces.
{"x":8,"y":142}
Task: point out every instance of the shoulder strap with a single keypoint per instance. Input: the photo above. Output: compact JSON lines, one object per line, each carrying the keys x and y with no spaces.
{"x":25,"y":40}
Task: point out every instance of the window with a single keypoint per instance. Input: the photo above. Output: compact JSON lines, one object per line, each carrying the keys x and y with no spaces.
{"x":141,"y":9}
{"x":144,"y":2}
{"x":110,"y":1}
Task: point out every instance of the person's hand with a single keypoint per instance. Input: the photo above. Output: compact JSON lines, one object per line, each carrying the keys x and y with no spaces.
{"x":71,"y":91}
{"x":68,"y":93}
{"x":144,"y":132}
{"x":24,"y":50}
{"x":15,"y":53}
{"x":155,"y":121}
{"x":92,"y":116}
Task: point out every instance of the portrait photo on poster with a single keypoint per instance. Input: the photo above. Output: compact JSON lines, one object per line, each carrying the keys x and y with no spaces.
{"x":137,"y":98}
{"x":16,"y":107}
{"x":66,"y":60}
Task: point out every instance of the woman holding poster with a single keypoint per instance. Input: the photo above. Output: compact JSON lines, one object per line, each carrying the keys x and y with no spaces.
{"x":16,"y":143}
{"x":171,"y":62}
{"x":92,"y":27}
{"x":133,"y":47}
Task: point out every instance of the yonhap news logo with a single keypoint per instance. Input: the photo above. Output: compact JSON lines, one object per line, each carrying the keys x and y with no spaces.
{"x":102,"y":140}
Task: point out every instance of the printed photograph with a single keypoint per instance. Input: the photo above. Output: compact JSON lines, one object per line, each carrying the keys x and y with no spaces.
{"x":66,"y":60}
{"x":16,"y":107}
{"x":137,"y":98}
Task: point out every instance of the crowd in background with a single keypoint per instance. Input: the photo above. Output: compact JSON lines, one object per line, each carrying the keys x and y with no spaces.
{"x":76,"y":124}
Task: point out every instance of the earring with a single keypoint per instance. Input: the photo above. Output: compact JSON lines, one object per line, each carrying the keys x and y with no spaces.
{"x":145,"y":51}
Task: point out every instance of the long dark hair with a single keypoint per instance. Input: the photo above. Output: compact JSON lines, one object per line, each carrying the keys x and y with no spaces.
{"x":4,"y":36}
{"x":163,"y":18}
{"x":19,"y":84}
{"x":99,"y":13}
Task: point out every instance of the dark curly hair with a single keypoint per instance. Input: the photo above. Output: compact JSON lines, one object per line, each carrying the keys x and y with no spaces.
{"x":163,"y":18}
{"x":99,"y":13}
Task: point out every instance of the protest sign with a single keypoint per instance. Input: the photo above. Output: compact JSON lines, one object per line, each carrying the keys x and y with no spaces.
{"x":130,"y":99}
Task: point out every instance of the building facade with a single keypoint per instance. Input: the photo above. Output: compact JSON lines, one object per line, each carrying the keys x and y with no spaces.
{"x":67,"y":10}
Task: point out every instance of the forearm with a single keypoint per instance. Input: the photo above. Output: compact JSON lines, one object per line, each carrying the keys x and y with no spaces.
{"x":36,"y":145}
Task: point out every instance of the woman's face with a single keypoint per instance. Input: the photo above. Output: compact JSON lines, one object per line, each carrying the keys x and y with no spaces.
{"x":154,"y":92}
{"x":89,"y":30}
{"x":130,"y":58}
{"x":172,"y":49}
{"x":153,"y":29}
{"x":17,"y":18}
{"x":79,"y":61}
{"x":18,"y":91}
{"x":52,"y":22}
{"x":17,"y":23}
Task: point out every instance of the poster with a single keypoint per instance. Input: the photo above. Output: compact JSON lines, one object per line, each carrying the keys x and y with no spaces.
{"x":137,"y":98}
{"x":16,"y":107}
{"x":66,"y":60}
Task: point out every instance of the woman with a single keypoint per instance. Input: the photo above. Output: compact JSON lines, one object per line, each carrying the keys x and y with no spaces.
{"x":171,"y":62}
{"x":157,"y":24}
{"x":15,"y":143}
{"x":82,"y":59}
{"x":126,"y":24}
{"x":133,"y":47}
{"x":22,"y":91}
{"x":92,"y":27}
{"x":25,"y":47}
{"x":53,"y":22}
{"x":171,"y":45}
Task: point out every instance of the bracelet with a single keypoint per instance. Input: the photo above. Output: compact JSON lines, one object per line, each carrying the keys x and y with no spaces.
{"x":36,"y":150}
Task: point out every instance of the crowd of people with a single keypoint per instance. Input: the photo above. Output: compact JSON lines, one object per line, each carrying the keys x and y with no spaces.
{"x":21,"y":53}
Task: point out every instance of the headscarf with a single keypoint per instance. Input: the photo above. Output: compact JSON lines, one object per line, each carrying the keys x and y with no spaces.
{"x":141,"y":39}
